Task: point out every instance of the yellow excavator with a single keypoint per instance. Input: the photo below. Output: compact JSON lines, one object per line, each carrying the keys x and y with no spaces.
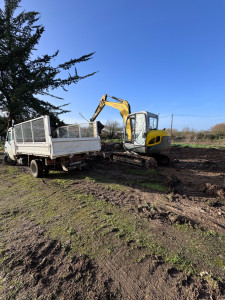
{"x":142,"y":139}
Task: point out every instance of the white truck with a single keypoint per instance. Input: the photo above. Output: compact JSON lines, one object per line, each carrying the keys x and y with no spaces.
{"x":34,"y":143}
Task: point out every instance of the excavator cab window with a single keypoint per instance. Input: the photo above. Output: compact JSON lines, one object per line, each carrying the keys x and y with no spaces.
{"x":152,"y":123}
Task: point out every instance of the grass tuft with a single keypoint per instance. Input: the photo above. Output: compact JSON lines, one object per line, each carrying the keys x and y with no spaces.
{"x":154,"y":186}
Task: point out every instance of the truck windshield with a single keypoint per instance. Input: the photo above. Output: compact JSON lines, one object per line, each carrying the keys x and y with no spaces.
{"x":152,"y":123}
{"x":10,"y":136}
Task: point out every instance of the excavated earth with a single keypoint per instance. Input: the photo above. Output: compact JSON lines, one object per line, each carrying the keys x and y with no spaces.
{"x":192,"y":202}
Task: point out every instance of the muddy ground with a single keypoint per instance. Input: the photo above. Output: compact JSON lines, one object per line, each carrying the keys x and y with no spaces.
{"x":116,"y":231}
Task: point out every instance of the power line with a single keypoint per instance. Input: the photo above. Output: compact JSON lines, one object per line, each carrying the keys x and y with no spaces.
{"x":200,"y":116}
{"x":197,"y":116}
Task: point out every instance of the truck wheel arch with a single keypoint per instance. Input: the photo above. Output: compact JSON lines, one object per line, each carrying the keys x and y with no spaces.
{"x":8,"y":161}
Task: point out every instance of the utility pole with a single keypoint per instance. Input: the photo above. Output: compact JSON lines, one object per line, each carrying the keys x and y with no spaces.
{"x":171,"y":125}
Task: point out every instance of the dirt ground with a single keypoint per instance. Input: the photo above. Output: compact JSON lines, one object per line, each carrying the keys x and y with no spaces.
{"x":116,"y":231}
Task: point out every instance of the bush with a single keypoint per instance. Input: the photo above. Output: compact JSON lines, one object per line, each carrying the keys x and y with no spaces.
{"x":218,"y":130}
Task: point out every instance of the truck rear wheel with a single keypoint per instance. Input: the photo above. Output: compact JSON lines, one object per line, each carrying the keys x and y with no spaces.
{"x":36,"y":168}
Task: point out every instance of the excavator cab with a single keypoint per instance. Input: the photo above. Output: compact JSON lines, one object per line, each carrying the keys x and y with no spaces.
{"x":145,"y":136}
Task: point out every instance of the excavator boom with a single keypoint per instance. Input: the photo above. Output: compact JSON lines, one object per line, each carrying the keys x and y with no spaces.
{"x":99,"y":108}
{"x":122,"y":105}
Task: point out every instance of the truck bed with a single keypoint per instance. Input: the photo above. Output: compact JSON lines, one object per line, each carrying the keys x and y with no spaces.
{"x":63,"y":147}
{"x":60,"y":147}
{"x":37,"y":138}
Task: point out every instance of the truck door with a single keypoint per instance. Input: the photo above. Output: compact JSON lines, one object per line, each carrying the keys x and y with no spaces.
{"x":10,"y":144}
{"x":140,"y":131}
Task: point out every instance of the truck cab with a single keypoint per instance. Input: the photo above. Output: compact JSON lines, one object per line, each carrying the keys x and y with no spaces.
{"x":10,"y":149}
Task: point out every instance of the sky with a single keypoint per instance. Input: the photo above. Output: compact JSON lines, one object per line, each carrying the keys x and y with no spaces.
{"x":163,"y":56}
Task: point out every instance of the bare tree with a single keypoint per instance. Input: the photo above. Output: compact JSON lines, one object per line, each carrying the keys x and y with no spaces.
{"x":113,"y":129}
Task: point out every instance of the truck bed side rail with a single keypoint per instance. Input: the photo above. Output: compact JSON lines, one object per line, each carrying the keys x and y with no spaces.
{"x":85,"y":130}
{"x":33,"y":131}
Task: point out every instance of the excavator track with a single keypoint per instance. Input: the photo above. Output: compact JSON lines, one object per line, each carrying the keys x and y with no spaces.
{"x":108,"y":152}
{"x":162,"y":159}
{"x":135,"y":159}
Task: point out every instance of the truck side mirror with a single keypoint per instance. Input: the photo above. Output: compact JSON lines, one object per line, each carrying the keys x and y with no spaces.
{"x":144,"y":134}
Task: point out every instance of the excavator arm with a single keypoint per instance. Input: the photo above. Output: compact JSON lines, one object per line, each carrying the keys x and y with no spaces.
{"x":122,"y":105}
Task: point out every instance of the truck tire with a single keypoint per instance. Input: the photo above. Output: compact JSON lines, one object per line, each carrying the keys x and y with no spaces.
{"x":8,"y":161}
{"x":36,"y":168}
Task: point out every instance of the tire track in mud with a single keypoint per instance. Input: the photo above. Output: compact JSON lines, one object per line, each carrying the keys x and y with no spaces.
{"x":47,"y":272}
{"x":166,"y":210}
{"x":151,"y":288}
{"x":147,"y":284}
{"x":129,"y":201}
{"x":196,"y":192}
{"x":133,"y":290}
{"x":46,"y":264}
{"x":160,"y":215}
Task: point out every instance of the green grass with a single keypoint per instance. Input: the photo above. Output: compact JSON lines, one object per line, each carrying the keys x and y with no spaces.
{"x":200,"y":245}
{"x":63,"y":179}
{"x":67,"y":179}
{"x":188,"y":145}
{"x":116,"y":187}
{"x":154,"y":186}
{"x":181,"y":263}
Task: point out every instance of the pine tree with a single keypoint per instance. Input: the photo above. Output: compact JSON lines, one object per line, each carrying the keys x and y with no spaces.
{"x":24,"y":80}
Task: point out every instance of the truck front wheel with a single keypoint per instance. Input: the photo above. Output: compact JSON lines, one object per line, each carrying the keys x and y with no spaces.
{"x":8,"y":160}
{"x":36,"y":168}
